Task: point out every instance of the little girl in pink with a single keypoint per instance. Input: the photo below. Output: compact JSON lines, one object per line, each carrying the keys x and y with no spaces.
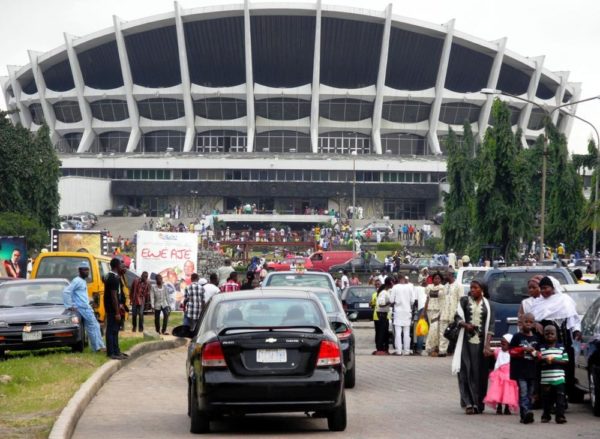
{"x":502,"y":390}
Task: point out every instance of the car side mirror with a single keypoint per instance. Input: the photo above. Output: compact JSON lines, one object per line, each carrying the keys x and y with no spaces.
{"x":353,"y":316}
{"x":182,"y":331}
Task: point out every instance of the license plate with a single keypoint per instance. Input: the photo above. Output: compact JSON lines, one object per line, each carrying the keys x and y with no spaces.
{"x":271,"y":356}
{"x":32,"y":336}
{"x":363,"y":305}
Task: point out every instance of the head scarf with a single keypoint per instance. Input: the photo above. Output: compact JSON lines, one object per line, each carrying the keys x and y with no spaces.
{"x":557,"y":306}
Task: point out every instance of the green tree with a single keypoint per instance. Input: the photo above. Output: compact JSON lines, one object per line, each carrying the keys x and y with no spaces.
{"x":459,"y":201}
{"x":502,"y":214}
{"x":16,"y":224}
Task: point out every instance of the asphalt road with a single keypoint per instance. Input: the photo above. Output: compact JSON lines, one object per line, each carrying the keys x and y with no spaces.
{"x":399,"y":397}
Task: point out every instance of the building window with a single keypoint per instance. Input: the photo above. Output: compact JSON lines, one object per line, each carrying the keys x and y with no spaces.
{"x":110,"y":110}
{"x":536,"y":120}
{"x":514,"y":116}
{"x":457,"y":113}
{"x":403,"y":144}
{"x":342,"y":142}
{"x":159,"y":141}
{"x":37,"y":114}
{"x":69,"y":143}
{"x":406,"y":111}
{"x":282,"y":108}
{"x":444,"y":143}
{"x":113,"y":141}
{"x":67,"y":111}
{"x":404,"y":209}
{"x":221,"y":141}
{"x":161,"y":109}
{"x":220,"y":108}
{"x":283,"y":141}
{"x":346,"y":110}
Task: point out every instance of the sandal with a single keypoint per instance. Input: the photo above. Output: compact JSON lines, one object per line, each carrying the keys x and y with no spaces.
{"x":470,"y":410}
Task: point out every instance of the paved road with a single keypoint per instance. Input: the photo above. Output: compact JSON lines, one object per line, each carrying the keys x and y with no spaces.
{"x":400,"y":397}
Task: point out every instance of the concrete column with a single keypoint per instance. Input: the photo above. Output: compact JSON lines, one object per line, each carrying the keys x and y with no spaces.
{"x":383,"y":58}
{"x":40,"y":82}
{"x":134,"y":114}
{"x":560,"y":93}
{"x":434,"y":115}
{"x":484,"y":115}
{"x":567,"y":122}
{"x":4,"y":84}
{"x":251,"y":120}
{"x":24,"y":113}
{"x":84,"y":107}
{"x":316,"y":84}
{"x":190,"y":131}
{"x":533,"y":85}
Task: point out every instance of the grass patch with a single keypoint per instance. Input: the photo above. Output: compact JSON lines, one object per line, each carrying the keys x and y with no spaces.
{"x":41,"y":383}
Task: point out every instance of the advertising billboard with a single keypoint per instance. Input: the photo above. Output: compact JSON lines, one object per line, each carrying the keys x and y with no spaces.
{"x":94,"y":241}
{"x":13,"y":255}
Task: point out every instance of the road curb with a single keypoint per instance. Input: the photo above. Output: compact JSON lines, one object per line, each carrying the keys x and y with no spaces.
{"x":66,"y":422}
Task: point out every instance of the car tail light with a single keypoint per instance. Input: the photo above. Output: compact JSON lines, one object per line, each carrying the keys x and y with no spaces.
{"x":212,"y":355}
{"x":344,"y":335}
{"x":329,"y":354}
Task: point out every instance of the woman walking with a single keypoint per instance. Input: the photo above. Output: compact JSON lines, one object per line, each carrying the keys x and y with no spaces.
{"x":475,"y":317}
{"x":433,"y":306}
{"x":382,"y":310}
{"x":159,"y":298}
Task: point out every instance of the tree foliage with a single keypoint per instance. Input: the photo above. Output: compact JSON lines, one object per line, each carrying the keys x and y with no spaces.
{"x":29,"y":173}
{"x":17,"y":224}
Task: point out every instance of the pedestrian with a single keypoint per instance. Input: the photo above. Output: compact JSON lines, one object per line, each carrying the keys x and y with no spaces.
{"x":382,"y":309}
{"x":554,"y":359}
{"x":523,"y":352}
{"x":193,"y":302}
{"x":75,"y":296}
{"x":355,"y":280}
{"x":533,"y":289}
{"x":232,"y":284}
{"x":139,"y":296}
{"x":403,"y":298}
{"x":453,"y":293}
{"x":433,"y":309}
{"x":112,"y":308}
{"x":159,"y":298}
{"x":421,"y":299}
{"x":248,"y":285}
{"x":224,"y":271}
{"x":475,"y":317}
{"x":502,"y":391}
{"x":345,"y":282}
{"x":210,"y":287}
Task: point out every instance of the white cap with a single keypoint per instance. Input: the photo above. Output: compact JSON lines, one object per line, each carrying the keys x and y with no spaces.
{"x":202,"y":281}
{"x":507,"y":337}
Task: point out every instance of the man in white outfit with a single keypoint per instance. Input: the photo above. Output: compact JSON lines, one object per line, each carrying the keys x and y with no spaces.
{"x":403,"y":297}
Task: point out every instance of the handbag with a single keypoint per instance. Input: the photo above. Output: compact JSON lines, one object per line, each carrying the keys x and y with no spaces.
{"x":452,"y":331}
{"x":422,"y":328}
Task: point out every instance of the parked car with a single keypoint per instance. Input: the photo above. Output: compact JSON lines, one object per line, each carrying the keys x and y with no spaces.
{"x":323,"y":260}
{"x":467,"y":274}
{"x":386,"y":230}
{"x":357,"y":299}
{"x":584,"y":295}
{"x":123,"y":210}
{"x":339,"y":322}
{"x":87,"y":222}
{"x":258,"y":352}
{"x":33,"y":316}
{"x":295,"y":261}
{"x":302,"y":279}
{"x":65,"y":225}
{"x":358,"y":264}
{"x":417,"y":264}
{"x":93,"y":217}
{"x":587,"y":363}
{"x":438,"y":218}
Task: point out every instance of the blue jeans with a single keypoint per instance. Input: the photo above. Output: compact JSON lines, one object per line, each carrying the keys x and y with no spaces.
{"x":526,"y":388}
{"x":112,"y":335}
{"x":192,"y":323}
{"x":92,"y":328}
{"x":137,"y":311}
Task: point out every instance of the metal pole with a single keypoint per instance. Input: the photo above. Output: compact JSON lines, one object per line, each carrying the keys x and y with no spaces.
{"x":543,"y":207}
{"x":353,"y":207}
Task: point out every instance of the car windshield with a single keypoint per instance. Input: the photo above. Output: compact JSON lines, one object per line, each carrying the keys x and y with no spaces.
{"x":61,"y":267}
{"x":471,"y":275}
{"x":362,"y":292}
{"x":298,"y":280}
{"x":266,"y":313}
{"x":511,"y":287}
{"x":584,"y":299}
{"x":31,"y":294}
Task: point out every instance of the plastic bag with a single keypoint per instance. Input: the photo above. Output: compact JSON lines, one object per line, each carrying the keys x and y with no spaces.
{"x":422,"y":327}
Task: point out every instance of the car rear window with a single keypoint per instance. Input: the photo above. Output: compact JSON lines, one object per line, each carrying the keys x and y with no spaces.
{"x":366,"y":292}
{"x":511,"y":287}
{"x":298,"y":280}
{"x":61,"y":267}
{"x":267,"y":312}
{"x":584,"y":299}
{"x":329,"y":303}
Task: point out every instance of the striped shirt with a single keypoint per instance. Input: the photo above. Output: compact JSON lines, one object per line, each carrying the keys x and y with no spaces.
{"x":553,"y":373}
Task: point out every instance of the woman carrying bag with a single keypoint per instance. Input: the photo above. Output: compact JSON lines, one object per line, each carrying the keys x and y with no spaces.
{"x":159,"y":298}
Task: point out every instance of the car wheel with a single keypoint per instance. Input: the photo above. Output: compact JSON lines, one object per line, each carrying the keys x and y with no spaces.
{"x":350,"y":378}
{"x":336,"y":420}
{"x":595,"y":389}
{"x":189,"y":399}
{"x":199,"y":420}
{"x":80,"y":345}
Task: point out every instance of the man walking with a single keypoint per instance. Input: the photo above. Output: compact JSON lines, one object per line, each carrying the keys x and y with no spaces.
{"x":232,"y":284}
{"x":402,"y":297}
{"x":194,"y":302}
{"x":140,"y":294}
{"x":75,"y":296}
{"x":211,"y":288}
{"x":112,"y":288}
{"x":224,"y":271}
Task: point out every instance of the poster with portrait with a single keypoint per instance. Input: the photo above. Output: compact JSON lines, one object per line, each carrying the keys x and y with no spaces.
{"x":172,"y":255}
{"x":13,"y":255}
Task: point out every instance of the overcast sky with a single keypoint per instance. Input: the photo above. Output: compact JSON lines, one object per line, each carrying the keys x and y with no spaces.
{"x":567,"y":32}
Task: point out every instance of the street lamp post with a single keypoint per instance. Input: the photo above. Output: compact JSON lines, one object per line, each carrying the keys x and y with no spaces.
{"x":491,"y":91}
{"x":354,"y":153}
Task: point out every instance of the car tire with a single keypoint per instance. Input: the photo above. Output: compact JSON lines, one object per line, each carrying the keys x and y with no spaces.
{"x":350,"y":378}
{"x":80,"y":345}
{"x":200,"y":422}
{"x":595,"y":389}
{"x":336,"y":420}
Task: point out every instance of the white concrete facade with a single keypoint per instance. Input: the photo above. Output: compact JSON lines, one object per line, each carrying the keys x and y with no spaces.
{"x":84,"y":195}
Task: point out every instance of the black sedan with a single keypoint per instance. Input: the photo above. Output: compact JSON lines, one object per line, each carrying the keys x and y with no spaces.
{"x":359,"y":265}
{"x":259,"y":352}
{"x":357,"y":299}
{"x":32,"y":316}
{"x":123,"y":210}
{"x":587,"y":363}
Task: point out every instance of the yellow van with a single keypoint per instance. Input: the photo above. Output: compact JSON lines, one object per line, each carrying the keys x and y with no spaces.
{"x":64,"y":265}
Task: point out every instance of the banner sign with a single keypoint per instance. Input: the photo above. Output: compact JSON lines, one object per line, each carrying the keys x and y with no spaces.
{"x":13,"y":255}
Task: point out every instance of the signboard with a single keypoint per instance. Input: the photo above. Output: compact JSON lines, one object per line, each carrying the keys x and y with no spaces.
{"x":13,"y":255}
{"x":172,"y":255}
{"x":93,"y":241}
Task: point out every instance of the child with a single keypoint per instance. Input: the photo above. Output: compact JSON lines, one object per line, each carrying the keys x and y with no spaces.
{"x":523,"y":348}
{"x":553,"y":358}
{"x":502,"y":389}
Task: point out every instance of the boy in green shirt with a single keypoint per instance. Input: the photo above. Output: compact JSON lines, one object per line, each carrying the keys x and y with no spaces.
{"x":553,"y":358}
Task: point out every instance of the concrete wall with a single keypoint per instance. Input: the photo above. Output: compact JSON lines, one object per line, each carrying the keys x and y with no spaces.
{"x":81,"y":194}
